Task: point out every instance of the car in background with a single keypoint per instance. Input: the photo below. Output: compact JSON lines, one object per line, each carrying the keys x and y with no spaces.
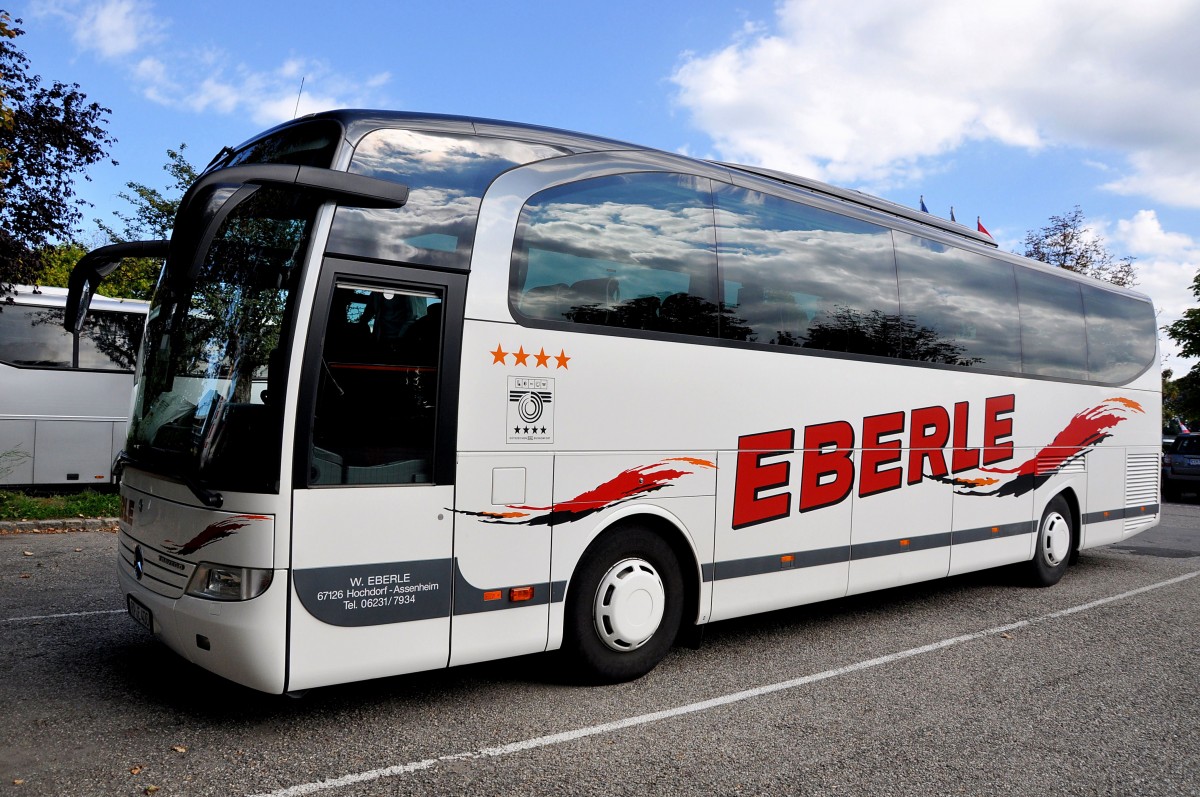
{"x":1181,"y":466}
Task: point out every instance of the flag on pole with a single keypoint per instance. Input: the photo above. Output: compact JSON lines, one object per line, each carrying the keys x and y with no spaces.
{"x":981,"y":228}
{"x":923,"y":208}
{"x":952,"y":214}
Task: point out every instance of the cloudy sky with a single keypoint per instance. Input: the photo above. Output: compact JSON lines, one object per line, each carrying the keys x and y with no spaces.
{"x":1009,"y":111}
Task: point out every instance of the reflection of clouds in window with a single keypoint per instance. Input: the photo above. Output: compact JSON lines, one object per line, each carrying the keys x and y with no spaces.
{"x":623,"y":233}
{"x":790,"y":269}
{"x":438,"y":219}
{"x":426,"y":159}
{"x":964,"y":297}
{"x":1052,"y":328}
{"x":446,"y":176}
{"x":1120,"y":335}
{"x":632,"y":251}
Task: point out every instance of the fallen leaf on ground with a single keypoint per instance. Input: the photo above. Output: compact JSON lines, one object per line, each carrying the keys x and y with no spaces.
{"x":27,"y":553}
{"x":24,"y":575}
{"x":135,"y":771}
{"x":149,"y":789}
{"x":77,"y":550}
{"x":18,"y":781}
{"x":179,"y":748}
{"x":1006,"y":635}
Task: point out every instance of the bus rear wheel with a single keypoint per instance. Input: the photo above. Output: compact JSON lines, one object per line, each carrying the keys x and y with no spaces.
{"x":624,"y":607}
{"x":1054,"y":542}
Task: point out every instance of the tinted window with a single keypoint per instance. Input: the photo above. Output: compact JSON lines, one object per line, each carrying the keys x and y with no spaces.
{"x":632,"y":251}
{"x":959,"y":307}
{"x":34,"y":337}
{"x":308,"y":144}
{"x":446,"y":176}
{"x":1052,"y":333}
{"x":1187,"y":445}
{"x":795,"y":275}
{"x":377,"y":396}
{"x":1120,"y":335}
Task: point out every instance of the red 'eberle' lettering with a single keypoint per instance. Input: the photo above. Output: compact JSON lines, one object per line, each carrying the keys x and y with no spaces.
{"x":827,"y":468}
{"x":962,"y":458}
{"x":996,"y":428}
{"x":827,"y":450}
{"x":928,"y":433}
{"x":753,"y":477}
{"x":872,"y":476}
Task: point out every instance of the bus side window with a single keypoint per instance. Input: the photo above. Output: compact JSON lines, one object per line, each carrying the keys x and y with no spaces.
{"x":377,"y":389}
{"x":801,"y":276}
{"x":634,"y":251}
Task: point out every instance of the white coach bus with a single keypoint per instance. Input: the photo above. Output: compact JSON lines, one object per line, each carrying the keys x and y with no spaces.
{"x":64,"y":399}
{"x":419,"y":391}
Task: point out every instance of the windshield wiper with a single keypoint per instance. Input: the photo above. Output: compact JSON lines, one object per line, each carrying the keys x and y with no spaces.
{"x":210,"y":498}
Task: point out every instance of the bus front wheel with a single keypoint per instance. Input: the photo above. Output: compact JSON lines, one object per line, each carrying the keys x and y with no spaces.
{"x":1054,"y":542}
{"x":624,"y":607}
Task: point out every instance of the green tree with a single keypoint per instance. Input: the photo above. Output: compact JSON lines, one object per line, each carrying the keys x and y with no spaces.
{"x":153,"y":210}
{"x":1068,"y":243}
{"x":49,"y":134}
{"x":1182,"y":397}
{"x":151,"y":219}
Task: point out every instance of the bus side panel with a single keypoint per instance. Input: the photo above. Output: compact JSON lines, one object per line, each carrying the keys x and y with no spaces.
{"x":990,"y":532}
{"x":900,"y":536}
{"x":73,"y":452}
{"x":375,"y":563}
{"x":786,"y":561}
{"x":1105,"y":499}
{"x":496,"y":550}
{"x":16,"y":438}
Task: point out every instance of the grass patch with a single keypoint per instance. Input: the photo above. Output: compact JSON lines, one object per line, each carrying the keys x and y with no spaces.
{"x":43,"y":505}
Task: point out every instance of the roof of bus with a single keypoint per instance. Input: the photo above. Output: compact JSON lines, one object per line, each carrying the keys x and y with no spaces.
{"x":45,"y":296}
{"x":359,"y":122}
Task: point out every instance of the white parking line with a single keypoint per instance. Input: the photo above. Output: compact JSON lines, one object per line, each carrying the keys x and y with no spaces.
{"x":33,"y":617}
{"x":692,"y":708}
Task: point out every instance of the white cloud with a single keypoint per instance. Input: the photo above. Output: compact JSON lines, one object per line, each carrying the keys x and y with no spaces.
{"x":869,"y":92}
{"x":203,"y":78}
{"x":112,"y":28}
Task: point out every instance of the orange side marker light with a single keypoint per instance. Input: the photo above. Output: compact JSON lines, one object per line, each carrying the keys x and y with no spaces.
{"x":518,"y":594}
{"x":493,"y":595}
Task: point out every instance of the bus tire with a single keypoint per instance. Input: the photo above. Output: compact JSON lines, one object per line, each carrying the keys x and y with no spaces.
{"x":624,"y":607}
{"x":1055,"y":540}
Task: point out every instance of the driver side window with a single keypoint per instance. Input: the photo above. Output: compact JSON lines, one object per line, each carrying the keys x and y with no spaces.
{"x":376,"y":400}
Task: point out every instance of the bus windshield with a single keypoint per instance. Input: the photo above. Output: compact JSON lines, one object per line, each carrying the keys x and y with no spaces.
{"x":209,"y":399}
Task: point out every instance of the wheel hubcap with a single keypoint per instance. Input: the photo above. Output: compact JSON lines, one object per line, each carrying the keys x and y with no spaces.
{"x":629,"y":605}
{"x":1056,"y":539}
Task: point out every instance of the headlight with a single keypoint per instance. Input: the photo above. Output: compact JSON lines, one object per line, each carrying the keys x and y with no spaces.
{"x":224,"y":583}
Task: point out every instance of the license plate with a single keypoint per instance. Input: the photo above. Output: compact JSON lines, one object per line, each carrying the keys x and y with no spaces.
{"x":140,"y":613}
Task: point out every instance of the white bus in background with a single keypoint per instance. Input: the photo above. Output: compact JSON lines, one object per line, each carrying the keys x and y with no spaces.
{"x":64,"y":407}
{"x":420,"y":391}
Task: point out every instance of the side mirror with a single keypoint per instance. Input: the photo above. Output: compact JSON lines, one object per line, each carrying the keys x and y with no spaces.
{"x":94,"y":267}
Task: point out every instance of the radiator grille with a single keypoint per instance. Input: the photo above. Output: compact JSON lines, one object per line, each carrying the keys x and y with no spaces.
{"x":1141,"y":489}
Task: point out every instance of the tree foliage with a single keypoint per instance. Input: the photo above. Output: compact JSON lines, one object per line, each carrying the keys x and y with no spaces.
{"x":153,"y":210}
{"x":1181,"y":397}
{"x":1067,"y":242}
{"x":49,"y":134}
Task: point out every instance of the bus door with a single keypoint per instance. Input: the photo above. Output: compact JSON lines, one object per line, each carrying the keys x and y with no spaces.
{"x":372,"y":526}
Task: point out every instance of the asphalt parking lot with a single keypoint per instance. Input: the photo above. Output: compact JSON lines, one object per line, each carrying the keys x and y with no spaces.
{"x":974,"y":685}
